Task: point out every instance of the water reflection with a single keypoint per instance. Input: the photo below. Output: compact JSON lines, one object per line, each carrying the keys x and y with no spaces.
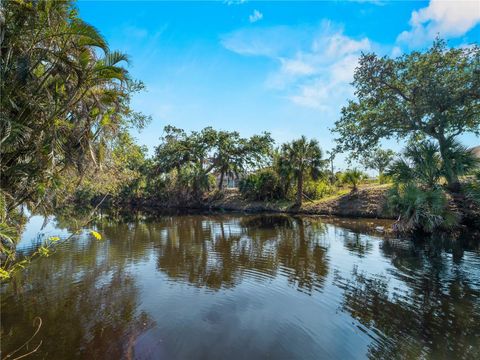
{"x":356,"y":243}
{"x":257,"y":286}
{"x":435,"y":314}
{"x":82,"y":299}
{"x":218,"y":254}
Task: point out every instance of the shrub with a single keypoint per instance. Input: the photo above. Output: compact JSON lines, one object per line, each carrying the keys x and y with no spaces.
{"x":353,"y":178}
{"x":418,"y":195}
{"x":317,"y":189}
{"x":261,"y":185}
{"x":420,"y":208}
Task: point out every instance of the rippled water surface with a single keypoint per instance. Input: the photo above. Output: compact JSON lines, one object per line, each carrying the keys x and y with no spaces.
{"x":246,"y":287}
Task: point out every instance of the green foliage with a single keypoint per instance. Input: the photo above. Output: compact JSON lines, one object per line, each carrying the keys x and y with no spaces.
{"x":121,"y":176}
{"x":318,"y":189}
{"x":261,"y":185}
{"x":209,"y":150}
{"x":461,"y":160}
{"x":420,"y":208}
{"x":418,"y":195}
{"x":435,"y":93}
{"x":353,"y":178}
{"x":11,"y":224}
{"x":423,"y":164}
{"x":378,"y":159}
{"x":298,"y":159}
{"x":385,"y":179}
{"x":472,"y":188}
{"x":65,"y":97}
{"x":64,"y":114}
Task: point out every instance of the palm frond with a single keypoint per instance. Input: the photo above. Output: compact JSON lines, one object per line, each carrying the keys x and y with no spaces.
{"x":115,"y":57}
{"x":88,"y":34}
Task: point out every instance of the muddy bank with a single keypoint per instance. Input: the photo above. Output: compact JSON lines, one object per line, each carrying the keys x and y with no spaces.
{"x":365,"y":203}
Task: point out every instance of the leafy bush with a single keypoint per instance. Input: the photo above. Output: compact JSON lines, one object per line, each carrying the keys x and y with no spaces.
{"x":423,"y":164}
{"x":418,"y":195}
{"x":261,"y":185}
{"x":420,"y":208}
{"x":318,"y":189}
{"x":353,"y":178}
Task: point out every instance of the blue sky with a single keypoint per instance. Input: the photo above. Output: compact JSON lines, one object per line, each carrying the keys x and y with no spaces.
{"x":282,"y":67}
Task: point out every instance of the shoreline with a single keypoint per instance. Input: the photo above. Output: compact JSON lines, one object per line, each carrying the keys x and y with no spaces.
{"x":367,"y":203}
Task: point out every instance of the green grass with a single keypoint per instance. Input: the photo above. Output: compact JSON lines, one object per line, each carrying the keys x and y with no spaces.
{"x":346,"y":190}
{"x":337,"y":194}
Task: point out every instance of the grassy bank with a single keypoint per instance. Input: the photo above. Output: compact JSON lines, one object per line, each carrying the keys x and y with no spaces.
{"x":367,"y":202}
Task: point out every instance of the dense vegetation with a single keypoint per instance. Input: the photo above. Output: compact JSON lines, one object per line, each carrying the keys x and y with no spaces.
{"x":428,"y":99}
{"x":435,"y":95}
{"x":66,"y":115}
{"x":64,"y":107}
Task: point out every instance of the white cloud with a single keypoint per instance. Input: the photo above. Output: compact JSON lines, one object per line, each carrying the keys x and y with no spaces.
{"x":296,"y":67}
{"x":271,"y":42}
{"x":446,"y":18}
{"x":235,"y":2}
{"x":396,"y":51}
{"x":255,"y":16}
{"x":315,"y":66}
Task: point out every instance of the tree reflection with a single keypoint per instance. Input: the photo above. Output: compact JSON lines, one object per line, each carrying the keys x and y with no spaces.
{"x":435,"y":313}
{"x":424,"y":305}
{"x":87,"y":302}
{"x":356,"y":243}
{"x":218,"y":252}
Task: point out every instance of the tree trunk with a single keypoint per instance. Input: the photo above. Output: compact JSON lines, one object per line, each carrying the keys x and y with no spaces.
{"x":452,"y":178}
{"x":299,"y":189}
{"x":220,"y":183}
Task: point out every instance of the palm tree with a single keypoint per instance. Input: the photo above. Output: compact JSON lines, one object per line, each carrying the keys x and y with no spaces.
{"x":418,"y":195}
{"x":65,"y":94}
{"x":301,"y":157}
{"x":353,"y":178}
{"x":423,"y":164}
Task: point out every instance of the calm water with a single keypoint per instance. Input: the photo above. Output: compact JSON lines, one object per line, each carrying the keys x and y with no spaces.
{"x":247,"y":287}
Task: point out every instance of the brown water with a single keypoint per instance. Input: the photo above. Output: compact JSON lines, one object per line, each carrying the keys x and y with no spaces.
{"x":247,"y":287}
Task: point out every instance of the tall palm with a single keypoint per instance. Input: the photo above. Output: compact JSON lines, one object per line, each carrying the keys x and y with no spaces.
{"x":302,"y":157}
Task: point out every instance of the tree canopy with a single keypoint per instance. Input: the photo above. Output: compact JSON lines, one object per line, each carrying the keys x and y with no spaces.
{"x":65,"y":94}
{"x":378,"y":159}
{"x":421,"y":94}
{"x":210,"y":150}
{"x":301,"y":157}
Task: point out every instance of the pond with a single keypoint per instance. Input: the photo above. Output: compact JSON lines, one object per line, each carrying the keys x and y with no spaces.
{"x":246,"y":287}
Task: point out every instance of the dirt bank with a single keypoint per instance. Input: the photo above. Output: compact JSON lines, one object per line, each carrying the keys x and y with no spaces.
{"x":365,"y":203}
